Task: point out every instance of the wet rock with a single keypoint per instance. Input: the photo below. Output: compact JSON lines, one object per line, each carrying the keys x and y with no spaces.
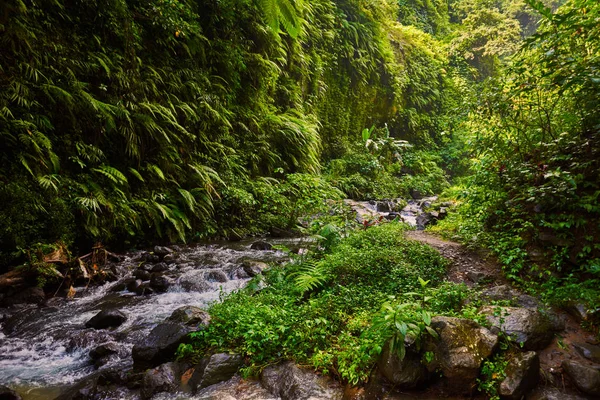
{"x":261,"y":245}
{"x":134,"y":285}
{"x":160,"y":344}
{"x":144,"y":289}
{"x":408,"y":373}
{"x":170,"y":258}
{"x":160,"y":267}
{"x":160,"y":379}
{"x":142,"y":274}
{"x":194,"y":282}
{"x":82,"y":390}
{"x":87,"y":338}
{"x":392,"y":216}
{"x":553,"y":394}
{"x":104,"y":350}
{"x":147,"y":257}
{"x":580,"y":312}
{"x":30,"y":295}
{"x":522,"y":375}
{"x":235,"y":389}
{"x":160,"y":283}
{"x":190,"y":315}
{"x":589,"y":351}
{"x":162,"y":251}
{"x":534,"y":329}
{"x":7,"y":393}
{"x":506,"y":293}
{"x":462,"y":346}
{"x":424,"y":219}
{"x":106,"y":319}
{"x":216,"y":275}
{"x":289,"y":382}
{"x":214,"y":369}
{"x":239,"y":273}
{"x":587,"y":379}
{"x":253,"y":268}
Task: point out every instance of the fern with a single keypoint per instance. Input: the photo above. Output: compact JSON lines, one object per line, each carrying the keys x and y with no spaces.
{"x":311,"y":275}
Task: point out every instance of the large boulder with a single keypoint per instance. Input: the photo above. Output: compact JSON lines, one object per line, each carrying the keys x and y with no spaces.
{"x":290,"y":382}
{"x":589,"y":351}
{"x":522,"y":375}
{"x":550,"y":393}
{"x":424,"y":219}
{"x":160,"y":379}
{"x":7,"y":393}
{"x":190,"y":315}
{"x":160,"y":344}
{"x":215,"y":369}
{"x":406,"y":373}
{"x":587,"y":379}
{"x":106,"y":319}
{"x":235,"y":388}
{"x":462,"y":346}
{"x":531,"y":328}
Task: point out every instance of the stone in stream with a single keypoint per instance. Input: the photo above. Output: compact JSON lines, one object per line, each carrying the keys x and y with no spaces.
{"x":160,"y":379}
{"x":160,"y":344}
{"x":406,"y":374}
{"x":215,"y":369}
{"x":522,"y":375}
{"x":235,"y":388}
{"x":253,"y":268}
{"x":106,"y":319}
{"x":549,"y":393}
{"x":216,"y":275}
{"x":142,"y":274}
{"x":261,"y":245}
{"x":160,"y":283}
{"x":133,"y":285}
{"x":190,"y":315}
{"x":160,"y":267}
{"x":462,"y":345}
{"x":162,"y":251}
{"x":7,"y":393}
{"x":587,"y":379}
{"x":144,"y":289}
{"x":290,"y":382}
{"x":424,"y":219}
{"x":104,"y":350}
{"x":534,"y":329}
{"x":30,"y":295}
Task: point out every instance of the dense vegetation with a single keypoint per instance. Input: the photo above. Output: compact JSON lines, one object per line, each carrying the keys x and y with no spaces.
{"x":129,"y":121}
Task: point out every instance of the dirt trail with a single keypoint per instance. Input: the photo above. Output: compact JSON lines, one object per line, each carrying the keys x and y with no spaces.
{"x":479,"y":269}
{"x":467,"y":266}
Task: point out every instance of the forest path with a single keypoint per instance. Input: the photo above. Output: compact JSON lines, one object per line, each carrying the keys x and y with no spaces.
{"x":466,"y":266}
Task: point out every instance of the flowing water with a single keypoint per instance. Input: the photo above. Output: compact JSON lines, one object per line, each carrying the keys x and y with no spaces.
{"x":45,"y":349}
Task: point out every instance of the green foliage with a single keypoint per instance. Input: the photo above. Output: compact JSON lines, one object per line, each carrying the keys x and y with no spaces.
{"x":325,"y":311}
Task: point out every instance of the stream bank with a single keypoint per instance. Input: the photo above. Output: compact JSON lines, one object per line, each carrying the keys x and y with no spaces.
{"x":64,"y":349}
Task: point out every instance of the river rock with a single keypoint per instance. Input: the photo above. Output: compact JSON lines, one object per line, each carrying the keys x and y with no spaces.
{"x":589,"y":351}
{"x":7,"y":393}
{"x":553,"y":394}
{"x":106,"y":319}
{"x":190,"y":315}
{"x":86,"y":338}
{"x":133,"y":285}
{"x":144,"y":289}
{"x":160,"y":283}
{"x":160,"y":344}
{"x":160,"y":379}
{"x":162,"y":251}
{"x":194,"y":282}
{"x":424,"y":219}
{"x":104,"y":350}
{"x":160,"y":267}
{"x":214,"y":369}
{"x":30,"y":295}
{"x":534,"y":329}
{"x":290,"y":382}
{"x":522,"y":375}
{"x":261,"y":245}
{"x":235,"y":388}
{"x":253,"y":268}
{"x":587,"y":379}
{"x":170,"y":258}
{"x":142,"y":274}
{"x":216,"y":275}
{"x":408,"y":373}
{"x":462,"y":346}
